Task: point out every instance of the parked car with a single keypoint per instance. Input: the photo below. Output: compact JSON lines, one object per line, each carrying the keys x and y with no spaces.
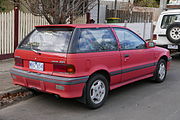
{"x":86,"y":61}
{"x":167,"y":30}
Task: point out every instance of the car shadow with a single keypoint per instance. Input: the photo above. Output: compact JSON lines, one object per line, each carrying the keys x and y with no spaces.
{"x":116,"y":96}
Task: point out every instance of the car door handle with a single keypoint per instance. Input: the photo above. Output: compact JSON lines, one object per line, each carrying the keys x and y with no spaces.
{"x":126,"y":55}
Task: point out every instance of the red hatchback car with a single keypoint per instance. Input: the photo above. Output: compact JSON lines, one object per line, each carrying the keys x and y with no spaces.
{"x":86,"y":61}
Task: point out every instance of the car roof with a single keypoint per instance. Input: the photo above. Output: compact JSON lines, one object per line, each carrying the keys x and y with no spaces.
{"x":171,"y":11}
{"x":78,"y":25}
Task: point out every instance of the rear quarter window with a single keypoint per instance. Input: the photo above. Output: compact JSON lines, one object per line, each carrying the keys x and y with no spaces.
{"x":96,"y":40}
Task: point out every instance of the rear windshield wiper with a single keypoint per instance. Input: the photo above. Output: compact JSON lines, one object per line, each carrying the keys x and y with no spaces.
{"x":37,"y":52}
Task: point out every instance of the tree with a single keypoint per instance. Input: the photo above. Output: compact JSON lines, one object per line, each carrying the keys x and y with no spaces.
{"x":58,"y":11}
{"x":1,"y":7}
{"x":147,"y":3}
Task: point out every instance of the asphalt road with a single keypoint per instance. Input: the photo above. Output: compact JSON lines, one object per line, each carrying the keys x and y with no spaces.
{"x":142,"y":100}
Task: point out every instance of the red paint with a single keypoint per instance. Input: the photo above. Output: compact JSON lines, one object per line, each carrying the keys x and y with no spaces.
{"x":86,"y":64}
{"x":70,"y":91}
{"x":137,"y":58}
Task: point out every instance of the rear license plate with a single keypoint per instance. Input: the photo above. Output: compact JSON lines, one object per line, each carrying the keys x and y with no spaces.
{"x":172,"y":46}
{"x":36,"y":65}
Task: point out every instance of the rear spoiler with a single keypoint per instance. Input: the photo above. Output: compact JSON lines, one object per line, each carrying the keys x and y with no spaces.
{"x":56,"y":26}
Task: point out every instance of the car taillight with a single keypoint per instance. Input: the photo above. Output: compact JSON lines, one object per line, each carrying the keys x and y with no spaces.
{"x":154,"y":37}
{"x":18,"y":62}
{"x":64,"y":68}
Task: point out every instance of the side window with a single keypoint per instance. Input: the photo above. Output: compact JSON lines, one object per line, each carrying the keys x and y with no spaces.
{"x":96,"y":40}
{"x":129,"y":40}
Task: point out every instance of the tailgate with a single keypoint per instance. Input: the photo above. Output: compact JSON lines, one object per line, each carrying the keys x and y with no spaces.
{"x":41,"y":62}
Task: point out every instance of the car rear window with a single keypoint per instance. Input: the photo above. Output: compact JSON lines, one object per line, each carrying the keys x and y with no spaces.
{"x":48,"y":40}
{"x":169,"y":19}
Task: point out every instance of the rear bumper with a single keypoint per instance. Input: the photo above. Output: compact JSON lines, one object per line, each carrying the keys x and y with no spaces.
{"x":166,"y":46}
{"x":65,"y":87}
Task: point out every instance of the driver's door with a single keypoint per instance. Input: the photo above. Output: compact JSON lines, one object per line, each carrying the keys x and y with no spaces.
{"x":136,"y":58}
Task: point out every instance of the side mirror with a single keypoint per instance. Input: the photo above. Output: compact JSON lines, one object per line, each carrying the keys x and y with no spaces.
{"x":150,"y":44}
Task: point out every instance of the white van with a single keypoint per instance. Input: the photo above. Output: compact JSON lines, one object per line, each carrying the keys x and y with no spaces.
{"x":167,"y":30}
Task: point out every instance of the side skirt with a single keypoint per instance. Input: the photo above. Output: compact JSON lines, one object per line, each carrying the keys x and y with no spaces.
{"x":130,"y":81}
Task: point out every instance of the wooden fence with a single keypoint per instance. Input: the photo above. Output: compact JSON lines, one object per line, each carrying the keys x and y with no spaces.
{"x":80,"y":20}
{"x":119,"y":6}
{"x":125,"y":15}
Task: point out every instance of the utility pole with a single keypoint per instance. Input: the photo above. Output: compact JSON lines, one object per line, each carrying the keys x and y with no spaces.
{"x":115,"y":5}
{"x":115,"y":9}
{"x":163,"y":4}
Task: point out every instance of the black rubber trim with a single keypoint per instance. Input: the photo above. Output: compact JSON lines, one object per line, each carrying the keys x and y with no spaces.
{"x":49,"y":78}
{"x":132,"y":69}
{"x":163,"y":35}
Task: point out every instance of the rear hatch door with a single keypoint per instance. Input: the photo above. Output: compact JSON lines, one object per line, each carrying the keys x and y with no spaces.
{"x":43,"y":47}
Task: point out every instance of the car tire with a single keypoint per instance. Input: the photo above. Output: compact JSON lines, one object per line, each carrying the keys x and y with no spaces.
{"x":173,"y":32}
{"x":96,"y":91}
{"x":160,"y":72}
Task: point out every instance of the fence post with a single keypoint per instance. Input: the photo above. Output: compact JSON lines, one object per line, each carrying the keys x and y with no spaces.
{"x":98,"y":12}
{"x":88,"y":17}
{"x":16,"y":25}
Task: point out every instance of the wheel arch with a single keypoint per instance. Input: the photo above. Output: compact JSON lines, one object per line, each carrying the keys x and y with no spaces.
{"x":164,"y":57}
{"x":156,"y":77}
{"x":103,"y":72}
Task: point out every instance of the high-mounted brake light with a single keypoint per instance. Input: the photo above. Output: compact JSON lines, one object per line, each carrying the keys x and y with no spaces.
{"x":64,"y":68}
{"x":19,"y":62}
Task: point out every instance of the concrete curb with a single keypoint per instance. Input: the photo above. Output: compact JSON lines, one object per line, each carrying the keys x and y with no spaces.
{"x":12,"y":90}
{"x":15,"y":95}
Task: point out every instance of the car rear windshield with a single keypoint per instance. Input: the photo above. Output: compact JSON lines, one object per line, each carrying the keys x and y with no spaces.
{"x":169,"y":19}
{"x":48,"y":40}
